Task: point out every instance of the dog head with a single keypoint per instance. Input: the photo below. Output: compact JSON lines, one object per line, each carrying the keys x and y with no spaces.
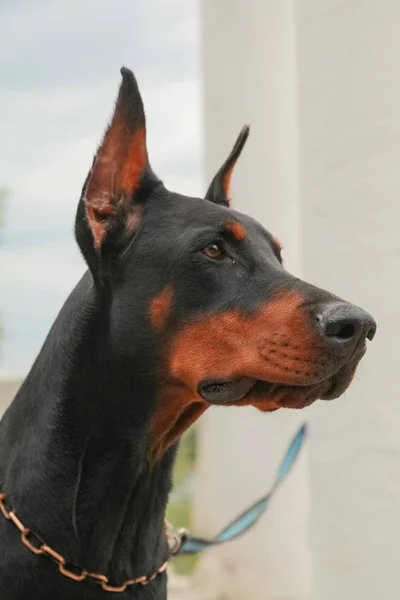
{"x":205,"y":286}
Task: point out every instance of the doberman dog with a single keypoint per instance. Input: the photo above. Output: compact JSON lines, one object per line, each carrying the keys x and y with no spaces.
{"x":185,"y":304}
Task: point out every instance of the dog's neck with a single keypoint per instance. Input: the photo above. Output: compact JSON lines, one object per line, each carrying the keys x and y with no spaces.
{"x":74,"y":448}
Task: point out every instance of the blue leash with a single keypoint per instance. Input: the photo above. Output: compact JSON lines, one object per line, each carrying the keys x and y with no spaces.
{"x":192,"y":545}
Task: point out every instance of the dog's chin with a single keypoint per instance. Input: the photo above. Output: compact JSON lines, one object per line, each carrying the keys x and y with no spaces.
{"x":267,"y":396}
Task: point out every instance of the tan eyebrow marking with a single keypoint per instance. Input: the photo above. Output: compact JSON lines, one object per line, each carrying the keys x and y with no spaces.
{"x":236,"y":229}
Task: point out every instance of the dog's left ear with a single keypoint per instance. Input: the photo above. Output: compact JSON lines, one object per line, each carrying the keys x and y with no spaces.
{"x":218,"y":191}
{"x":120,"y":179}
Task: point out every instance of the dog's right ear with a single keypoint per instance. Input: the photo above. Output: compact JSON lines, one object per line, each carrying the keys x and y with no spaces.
{"x":218,"y":192}
{"x":120,"y":179}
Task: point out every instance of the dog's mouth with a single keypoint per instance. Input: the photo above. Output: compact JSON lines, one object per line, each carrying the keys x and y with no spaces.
{"x":261,"y":394}
{"x":223,"y":391}
{"x":268,"y":396}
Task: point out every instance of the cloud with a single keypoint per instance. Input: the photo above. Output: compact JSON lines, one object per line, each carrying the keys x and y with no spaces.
{"x":72,"y":41}
{"x":56,"y":94}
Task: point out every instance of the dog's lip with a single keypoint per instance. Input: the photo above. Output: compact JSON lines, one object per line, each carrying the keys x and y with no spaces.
{"x":336,"y":389}
{"x":342,"y":378}
{"x":231,"y":390}
{"x":228,"y":391}
{"x":224,"y":391}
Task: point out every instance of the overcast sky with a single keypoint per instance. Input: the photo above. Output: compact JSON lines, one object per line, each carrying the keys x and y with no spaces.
{"x":59,"y":65}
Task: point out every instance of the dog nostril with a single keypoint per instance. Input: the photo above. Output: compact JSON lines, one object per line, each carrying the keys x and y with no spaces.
{"x":339,"y":328}
{"x":345,"y":323}
{"x":345,"y":331}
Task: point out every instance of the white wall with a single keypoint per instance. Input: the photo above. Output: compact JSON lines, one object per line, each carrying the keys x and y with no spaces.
{"x":249,"y":77}
{"x":349,"y":74}
{"x":8,"y":388}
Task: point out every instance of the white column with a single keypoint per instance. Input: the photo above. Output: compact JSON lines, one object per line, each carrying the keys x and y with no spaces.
{"x":8,"y":389}
{"x":249,"y":77}
{"x":348,"y":60}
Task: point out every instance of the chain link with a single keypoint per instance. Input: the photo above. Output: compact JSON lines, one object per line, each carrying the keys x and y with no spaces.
{"x":175,"y":537}
{"x":36,"y":545}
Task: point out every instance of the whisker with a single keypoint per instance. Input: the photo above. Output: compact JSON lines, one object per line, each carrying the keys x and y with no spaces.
{"x":274,"y":385}
{"x":158,"y":372}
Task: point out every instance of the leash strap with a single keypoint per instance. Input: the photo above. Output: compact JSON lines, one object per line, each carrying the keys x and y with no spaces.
{"x":193,"y":545}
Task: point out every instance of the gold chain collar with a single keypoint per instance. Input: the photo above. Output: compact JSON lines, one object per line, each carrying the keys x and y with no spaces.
{"x":36,"y":545}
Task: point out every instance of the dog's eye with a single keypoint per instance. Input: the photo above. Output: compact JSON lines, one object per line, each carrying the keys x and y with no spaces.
{"x":214,"y":251}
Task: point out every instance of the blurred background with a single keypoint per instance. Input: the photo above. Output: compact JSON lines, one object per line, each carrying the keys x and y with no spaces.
{"x":319,"y":83}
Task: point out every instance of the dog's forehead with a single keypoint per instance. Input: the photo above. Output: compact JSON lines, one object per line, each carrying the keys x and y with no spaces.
{"x":195,"y":213}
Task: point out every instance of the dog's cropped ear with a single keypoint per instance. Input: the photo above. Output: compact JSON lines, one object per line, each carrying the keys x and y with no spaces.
{"x":218,"y":191}
{"x":120,"y":177}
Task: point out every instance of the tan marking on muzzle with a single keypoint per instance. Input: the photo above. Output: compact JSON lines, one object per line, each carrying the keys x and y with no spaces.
{"x":276,"y":344}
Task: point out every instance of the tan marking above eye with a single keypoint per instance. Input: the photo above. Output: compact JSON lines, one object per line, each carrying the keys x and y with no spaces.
{"x":236,"y":229}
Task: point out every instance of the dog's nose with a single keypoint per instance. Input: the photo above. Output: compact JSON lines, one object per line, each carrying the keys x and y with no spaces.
{"x":346,"y":325}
